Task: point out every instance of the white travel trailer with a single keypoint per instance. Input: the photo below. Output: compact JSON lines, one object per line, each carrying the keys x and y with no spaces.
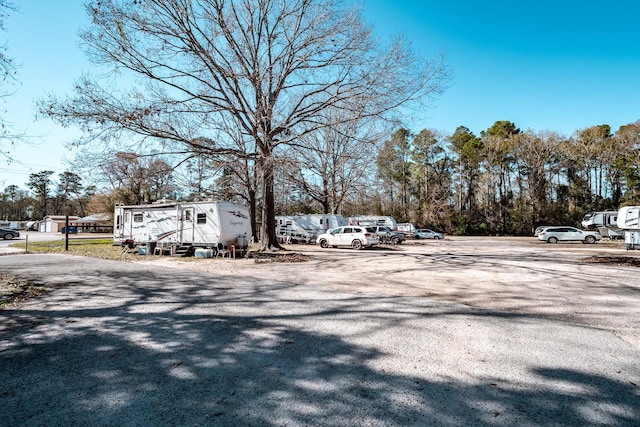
{"x":305,"y":227}
{"x":629,"y":221}
{"x":600,"y":219}
{"x":14,"y":225}
{"x":373,"y":220}
{"x":190,"y":224}
{"x":407,"y":228}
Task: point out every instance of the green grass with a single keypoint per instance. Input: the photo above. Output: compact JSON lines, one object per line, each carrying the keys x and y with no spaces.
{"x":96,"y":248}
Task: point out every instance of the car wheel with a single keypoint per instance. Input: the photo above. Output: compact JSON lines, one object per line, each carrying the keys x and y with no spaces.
{"x":590,"y":240}
{"x":324,"y":244}
{"x":416,"y":237}
{"x":552,"y":240}
{"x":356,"y":244}
{"x":8,"y":236}
{"x":436,"y":237}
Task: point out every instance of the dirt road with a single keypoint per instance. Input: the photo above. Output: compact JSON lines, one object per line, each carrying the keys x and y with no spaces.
{"x":455,"y":332}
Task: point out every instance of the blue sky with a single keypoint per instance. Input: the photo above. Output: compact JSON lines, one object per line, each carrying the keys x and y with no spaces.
{"x":544,"y":65}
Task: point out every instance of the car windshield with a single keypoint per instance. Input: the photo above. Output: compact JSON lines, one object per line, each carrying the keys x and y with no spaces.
{"x":371,"y":229}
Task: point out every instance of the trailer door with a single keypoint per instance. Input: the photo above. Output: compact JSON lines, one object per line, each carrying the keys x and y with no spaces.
{"x":186,"y":228}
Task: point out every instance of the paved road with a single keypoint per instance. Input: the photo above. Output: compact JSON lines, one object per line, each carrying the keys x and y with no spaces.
{"x":128,"y":344}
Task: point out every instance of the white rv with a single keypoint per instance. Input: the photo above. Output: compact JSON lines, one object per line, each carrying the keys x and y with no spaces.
{"x":373,"y":220}
{"x":305,"y":227}
{"x":629,"y":221}
{"x":600,"y":219}
{"x":407,"y":228}
{"x":193,"y":224}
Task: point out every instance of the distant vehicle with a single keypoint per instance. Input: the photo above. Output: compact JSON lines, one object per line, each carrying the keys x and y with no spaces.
{"x":12,"y":225}
{"x":357,"y":237}
{"x":629,"y":222}
{"x":540,"y":228}
{"x":567,"y":234}
{"x":600,"y":219}
{"x":373,"y":220}
{"x":425,"y":233}
{"x":8,"y":234}
{"x":407,"y":228}
{"x":303,"y":228}
{"x":387,"y":235}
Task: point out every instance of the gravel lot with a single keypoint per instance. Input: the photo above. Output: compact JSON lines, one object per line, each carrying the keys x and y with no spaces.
{"x":464,"y":331}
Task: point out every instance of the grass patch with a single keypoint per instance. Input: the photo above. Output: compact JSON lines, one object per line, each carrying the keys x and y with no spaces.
{"x":96,"y":248}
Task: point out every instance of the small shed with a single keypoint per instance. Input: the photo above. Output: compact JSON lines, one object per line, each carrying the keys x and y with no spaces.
{"x":54,"y":223}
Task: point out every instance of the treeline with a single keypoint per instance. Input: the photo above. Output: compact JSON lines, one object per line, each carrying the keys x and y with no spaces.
{"x":46,"y":196}
{"x":506,"y":181}
{"x":503,"y":181}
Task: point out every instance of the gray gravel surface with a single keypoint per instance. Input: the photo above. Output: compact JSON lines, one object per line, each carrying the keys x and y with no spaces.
{"x":117,"y":344}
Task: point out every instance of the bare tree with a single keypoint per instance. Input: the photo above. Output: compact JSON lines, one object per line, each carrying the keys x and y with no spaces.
{"x":537,"y":158}
{"x":8,"y":70}
{"x":334,"y":163}
{"x":271,"y":65}
{"x":137,"y":179}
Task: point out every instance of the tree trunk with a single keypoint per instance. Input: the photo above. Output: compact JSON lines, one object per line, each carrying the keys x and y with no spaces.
{"x":253,"y":212}
{"x":268,"y":237}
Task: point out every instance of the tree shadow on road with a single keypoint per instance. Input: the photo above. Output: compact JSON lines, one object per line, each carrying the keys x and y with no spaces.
{"x":172,"y":348}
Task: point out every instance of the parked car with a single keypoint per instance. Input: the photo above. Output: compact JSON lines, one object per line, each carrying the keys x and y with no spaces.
{"x":8,"y":234}
{"x":357,"y":237}
{"x":566,"y":234}
{"x":387,"y":235}
{"x":538,"y":229}
{"x":425,"y":233}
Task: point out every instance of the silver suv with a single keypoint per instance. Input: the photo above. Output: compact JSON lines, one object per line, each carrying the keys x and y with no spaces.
{"x":387,"y":235}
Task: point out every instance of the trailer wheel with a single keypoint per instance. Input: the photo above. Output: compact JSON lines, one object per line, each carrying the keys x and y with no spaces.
{"x":356,"y":244}
{"x":324,"y":244}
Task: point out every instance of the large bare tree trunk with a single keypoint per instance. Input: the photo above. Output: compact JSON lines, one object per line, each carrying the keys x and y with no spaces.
{"x":268,"y":238}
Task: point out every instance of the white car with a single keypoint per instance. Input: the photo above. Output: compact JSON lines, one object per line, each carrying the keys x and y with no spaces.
{"x":425,"y":233}
{"x":357,"y":237}
{"x":537,"y":231}
{"x":567,"y":234}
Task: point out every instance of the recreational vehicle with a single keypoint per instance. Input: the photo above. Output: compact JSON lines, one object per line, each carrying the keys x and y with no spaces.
{"x":186,"y":224}
{"x":629,"y":221}
{"x":600,"y":219}
{"x":373,"y":220}
{"x":13,"y":225}
{"x":605,"y":222}
{"x":305,"y":228}
{"x":407,"y":228}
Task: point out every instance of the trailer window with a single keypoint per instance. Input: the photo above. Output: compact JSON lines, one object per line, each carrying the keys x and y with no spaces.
{"x":201,"y":218}
{"x":137,"y":217}
{"x":187,"y":215}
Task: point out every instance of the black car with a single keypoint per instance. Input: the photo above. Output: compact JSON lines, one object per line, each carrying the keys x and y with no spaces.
{"x":8,"y":234}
